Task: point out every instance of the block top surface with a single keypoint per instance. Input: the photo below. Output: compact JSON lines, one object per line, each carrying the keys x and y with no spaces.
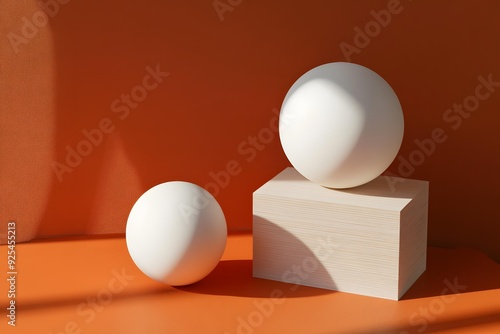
{"x":385,"y":193}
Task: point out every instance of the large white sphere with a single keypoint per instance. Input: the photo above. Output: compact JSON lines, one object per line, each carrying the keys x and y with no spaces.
{"x":341,"y":125}
{"x":176,"y":233}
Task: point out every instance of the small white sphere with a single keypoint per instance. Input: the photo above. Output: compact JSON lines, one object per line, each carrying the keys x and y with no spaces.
{"x":176,"y":233}
{"x":341,"y":125}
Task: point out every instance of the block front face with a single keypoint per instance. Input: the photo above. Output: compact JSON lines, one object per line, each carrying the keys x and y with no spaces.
{"x":333,"y":248}
{"x":329,"y":243}
{"x":279,"y":255}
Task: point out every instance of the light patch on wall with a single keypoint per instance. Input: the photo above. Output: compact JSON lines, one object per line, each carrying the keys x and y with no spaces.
{"x":117,"y":172}
{"x":27,"y":128}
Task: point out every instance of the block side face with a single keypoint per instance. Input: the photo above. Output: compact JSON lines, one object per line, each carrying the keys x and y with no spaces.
{"x":413,"y":241}
{"x":337,"y":247}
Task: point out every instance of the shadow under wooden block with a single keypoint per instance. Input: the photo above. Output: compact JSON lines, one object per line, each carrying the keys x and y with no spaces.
{"x":370,"y":240}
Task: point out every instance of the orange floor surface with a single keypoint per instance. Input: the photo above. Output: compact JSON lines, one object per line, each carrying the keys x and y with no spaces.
{"x":80,"y":285}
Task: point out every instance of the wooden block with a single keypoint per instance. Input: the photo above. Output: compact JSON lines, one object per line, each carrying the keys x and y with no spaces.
{"x":369,"y":240}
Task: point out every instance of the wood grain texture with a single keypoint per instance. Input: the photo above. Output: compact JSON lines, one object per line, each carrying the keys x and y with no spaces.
{"x":369,"y":240}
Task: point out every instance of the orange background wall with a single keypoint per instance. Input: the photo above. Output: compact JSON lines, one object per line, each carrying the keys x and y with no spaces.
{"x":227,"y":72}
